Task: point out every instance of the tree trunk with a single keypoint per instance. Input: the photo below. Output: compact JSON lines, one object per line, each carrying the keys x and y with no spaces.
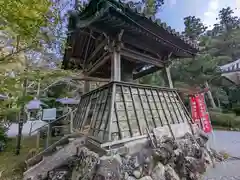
{"x":210,"y":97}
{"x":218,"y":102}
{"x":22,"y":111}
{"x":22,"y":114}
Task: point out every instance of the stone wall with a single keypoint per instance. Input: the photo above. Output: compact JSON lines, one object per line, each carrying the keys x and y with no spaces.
{"x":161,"y":158}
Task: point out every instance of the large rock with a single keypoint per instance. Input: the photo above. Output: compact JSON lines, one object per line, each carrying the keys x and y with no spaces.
{"x":170,"y":174}
{"x":131,"y":178}
{"x":110,"y":166}
{"x":158,"y":172}
{"x":208,"y":160}
{"x":164,"y":158}
{"x":137,"y":173}
{"x":146,"y":178}
{"x":180,"y":164}
{"x":165,"y":150}
{"x":63,"y":174}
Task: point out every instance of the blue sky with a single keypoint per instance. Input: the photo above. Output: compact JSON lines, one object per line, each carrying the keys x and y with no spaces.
{"x":174,"y":11}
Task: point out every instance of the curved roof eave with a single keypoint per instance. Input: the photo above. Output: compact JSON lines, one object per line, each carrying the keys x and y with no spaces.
{"x":96,"y":9}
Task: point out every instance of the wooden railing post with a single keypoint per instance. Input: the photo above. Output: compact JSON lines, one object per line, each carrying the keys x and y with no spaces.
{"x":71,"y":121}
{"x":38,"y":140}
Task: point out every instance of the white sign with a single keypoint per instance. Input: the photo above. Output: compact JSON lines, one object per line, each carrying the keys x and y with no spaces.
{"x":49,"y":114}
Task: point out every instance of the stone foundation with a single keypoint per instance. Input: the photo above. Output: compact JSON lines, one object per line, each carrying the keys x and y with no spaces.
{"x":159,"y":158}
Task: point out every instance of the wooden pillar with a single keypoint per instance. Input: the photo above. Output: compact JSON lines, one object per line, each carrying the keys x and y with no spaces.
{"x":86,"y":86}
{"x":210,"y":96}
{"x":168,"y":76}
{"x":116,"y":65}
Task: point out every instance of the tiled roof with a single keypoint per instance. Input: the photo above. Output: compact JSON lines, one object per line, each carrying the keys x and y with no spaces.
{"x":231,"y":67}
{"x":161,"y":24}
{"x":121,"y":7}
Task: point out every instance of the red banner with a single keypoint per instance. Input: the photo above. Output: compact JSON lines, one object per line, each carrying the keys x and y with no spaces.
{"x":207,"y":123}
{"x":194,"y":111}
{"x":201,"y":105}
{"x":199,"y":112}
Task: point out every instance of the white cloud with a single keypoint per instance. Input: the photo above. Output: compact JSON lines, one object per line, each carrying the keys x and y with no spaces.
{"x":213,"y":4}
{"x":172,"y":2}
{"x":211,"y":14}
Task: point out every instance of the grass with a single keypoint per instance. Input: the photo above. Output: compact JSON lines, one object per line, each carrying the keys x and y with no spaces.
{"x":12,"y":166}
{"x":224,"y":154}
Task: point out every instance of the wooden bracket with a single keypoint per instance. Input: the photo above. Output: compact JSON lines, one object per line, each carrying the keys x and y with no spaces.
{"x":167,"y":60}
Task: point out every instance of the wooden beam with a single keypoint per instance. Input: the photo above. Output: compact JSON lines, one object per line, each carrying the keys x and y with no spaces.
{"x":88,"y":78}
{"x":101,"y":61}
{"x":134,"y":41}
{"x":136,"y":56}
{"x":86,"y":51}
{"x":146,"y":72}
{"x":97,"y":49}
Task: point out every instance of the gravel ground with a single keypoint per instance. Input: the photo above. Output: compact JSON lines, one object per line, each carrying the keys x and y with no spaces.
{"x":226,"y":170}
{"x":230,"y":143}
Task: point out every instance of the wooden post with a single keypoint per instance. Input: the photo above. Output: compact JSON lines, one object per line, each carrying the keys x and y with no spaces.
{"x":210,"y":97}
{"x":86,"y":86}
{"x":38,"y":140}
{"x":48,"y":135}
{"x":111,"y":112}
{"x":71,"y":120}
{"x":115,"y":65}
{"x":168,"y":76}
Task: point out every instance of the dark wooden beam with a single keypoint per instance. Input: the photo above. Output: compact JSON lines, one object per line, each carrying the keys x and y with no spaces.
{"x":146,"y":72}
{"x":101,"y":61}
{"x":86,"y":51}
{"x":137,"y":43}
{"x":89,"y":78}
{"x":97,"y":49}
{"x":137,"y":56}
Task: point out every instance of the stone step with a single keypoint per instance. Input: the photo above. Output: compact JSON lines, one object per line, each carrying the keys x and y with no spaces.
{"x":50,"y":150}
{"x":59,"y":147}
{"x":52,"y":161}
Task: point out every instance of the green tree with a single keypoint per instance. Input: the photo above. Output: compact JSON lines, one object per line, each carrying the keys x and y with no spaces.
{"x":28,"y":24}
{"x":198,"y":71}
{"x":193,"y":27}
{"x":25,"y":23}
{"x":227,"y":20}
{"x":217,"y":47}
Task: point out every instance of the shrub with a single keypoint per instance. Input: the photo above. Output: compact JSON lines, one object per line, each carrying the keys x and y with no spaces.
{"x":33,"y":152}
{"x":220,"y":119}
{"x":237,"y":110}
{"x":3,"y":135}
{"x":215,"y":110}
{"x":3,"y":138}
{"x":227,"y":111}
{"x":224,"y":119}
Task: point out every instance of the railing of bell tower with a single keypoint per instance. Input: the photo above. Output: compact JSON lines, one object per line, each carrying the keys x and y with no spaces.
{"x":121,"y":110}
